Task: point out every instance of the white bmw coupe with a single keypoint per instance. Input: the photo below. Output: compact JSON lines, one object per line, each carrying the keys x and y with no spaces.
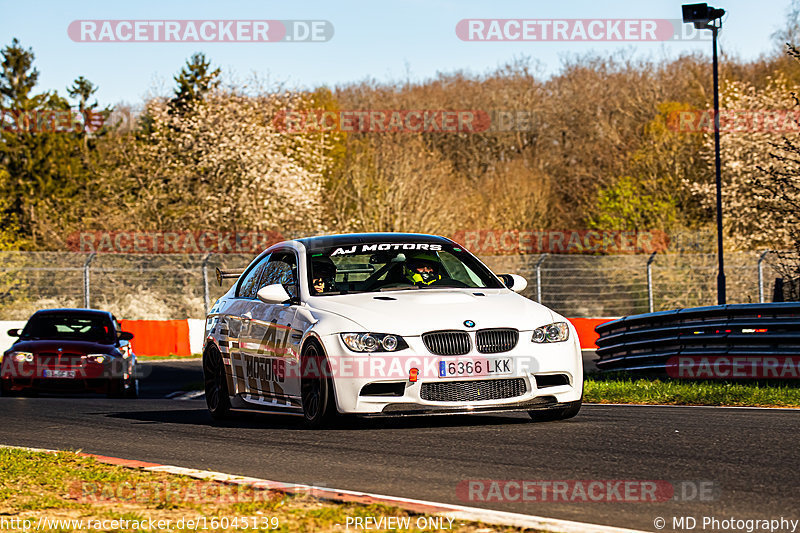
{"x":385,"y":324}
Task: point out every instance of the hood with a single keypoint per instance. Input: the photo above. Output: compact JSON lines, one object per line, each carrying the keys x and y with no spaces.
{"x":52,"y":346}
{"x":413,"y":312}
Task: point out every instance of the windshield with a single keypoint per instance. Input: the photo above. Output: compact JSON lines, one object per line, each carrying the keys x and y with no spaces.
{"x":69,"y":327}
{"x":385,"y":266}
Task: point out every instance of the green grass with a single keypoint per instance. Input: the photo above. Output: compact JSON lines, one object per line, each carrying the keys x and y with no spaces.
{"x":66,"y":485}
{"x":620,"y":388}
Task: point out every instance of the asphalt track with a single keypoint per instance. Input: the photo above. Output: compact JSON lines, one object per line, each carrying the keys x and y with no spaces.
{"x":750,"y":456}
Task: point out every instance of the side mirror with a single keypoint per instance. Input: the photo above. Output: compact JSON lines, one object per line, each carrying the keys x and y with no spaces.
{"x":514,"y":282}
{"x":273,"y":294}
{"x":13,"y":333}
{"x":125,"y":335}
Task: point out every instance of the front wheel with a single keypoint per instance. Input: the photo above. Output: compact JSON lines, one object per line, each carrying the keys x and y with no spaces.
{"x":127,"y":384}
{"x":316,"y":389}
{"x":216,"y":385}
{"x":546,"y":415}
{"x":132,"y":387}
{"x":6,"y":388}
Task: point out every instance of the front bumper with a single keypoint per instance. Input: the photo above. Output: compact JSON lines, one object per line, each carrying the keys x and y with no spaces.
{"x":56,"y":385}
{"x":543,"y":376}
{"x":400,"y":409}
{"x":41,"y":374}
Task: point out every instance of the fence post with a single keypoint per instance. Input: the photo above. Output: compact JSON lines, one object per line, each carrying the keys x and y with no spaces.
{"x":761,"y":276}
{"x":86,"y":279}
{"x":650,"y":281}
{"x":539,"y":277}
{"x":206,"y":297}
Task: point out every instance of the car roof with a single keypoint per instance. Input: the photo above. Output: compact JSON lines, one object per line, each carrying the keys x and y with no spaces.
{"x":322,"y":241}
{"x":73,"y":311}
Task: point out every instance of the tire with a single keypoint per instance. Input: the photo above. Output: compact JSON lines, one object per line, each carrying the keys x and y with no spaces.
{"x":5,"y":388}
{"x":120,"y":387}
{"x":132,"y":390}
{"x":216,"y":385}
{"x":563,"y":413}
{"x":316,"y":388}
{"x":116,"y":388}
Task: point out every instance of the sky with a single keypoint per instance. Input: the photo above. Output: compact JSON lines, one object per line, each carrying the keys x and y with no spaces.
{"x":385,"y":41}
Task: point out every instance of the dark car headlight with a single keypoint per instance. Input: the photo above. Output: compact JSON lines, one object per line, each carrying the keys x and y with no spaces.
{"x":373,"y":342}
{"x":21,"y":357}
{"x":98,"y":358}
{"x":555,"y":332}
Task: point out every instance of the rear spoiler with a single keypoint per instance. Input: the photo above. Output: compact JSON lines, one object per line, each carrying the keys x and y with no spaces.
{"x":228,"y":274}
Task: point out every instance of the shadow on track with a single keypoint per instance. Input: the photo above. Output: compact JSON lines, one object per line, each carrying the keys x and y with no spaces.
{"x":264,"y":421}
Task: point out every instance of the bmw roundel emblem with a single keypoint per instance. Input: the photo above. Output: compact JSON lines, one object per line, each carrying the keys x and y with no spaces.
{"x":469,"y":323}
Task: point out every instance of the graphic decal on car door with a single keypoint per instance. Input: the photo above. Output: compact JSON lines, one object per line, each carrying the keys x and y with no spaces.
{"x":264,"y":340}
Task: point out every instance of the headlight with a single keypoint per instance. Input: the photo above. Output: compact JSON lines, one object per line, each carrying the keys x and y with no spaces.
{"x":98,"y":358}
{"x":555,"y":332}
{"x":374,"y":342}
{"x":22,"y":357}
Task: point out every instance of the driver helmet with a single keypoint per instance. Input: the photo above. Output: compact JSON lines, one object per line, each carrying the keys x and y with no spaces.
{"x":323,"y":275}
{"x":423,"y":269}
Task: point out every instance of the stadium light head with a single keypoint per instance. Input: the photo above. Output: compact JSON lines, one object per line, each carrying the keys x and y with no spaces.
{"x":701,"y":15}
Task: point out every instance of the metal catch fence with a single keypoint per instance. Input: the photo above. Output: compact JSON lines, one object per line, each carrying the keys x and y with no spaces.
{"x":176,"y":286}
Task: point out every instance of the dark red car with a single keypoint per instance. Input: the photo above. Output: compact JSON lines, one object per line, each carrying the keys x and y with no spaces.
{"x":70,"y":350}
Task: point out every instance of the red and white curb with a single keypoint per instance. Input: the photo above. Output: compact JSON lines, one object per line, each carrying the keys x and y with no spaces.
{"x":456,"y":512}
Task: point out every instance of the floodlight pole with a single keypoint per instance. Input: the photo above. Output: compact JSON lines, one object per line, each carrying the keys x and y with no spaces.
{"x":721,"y":300}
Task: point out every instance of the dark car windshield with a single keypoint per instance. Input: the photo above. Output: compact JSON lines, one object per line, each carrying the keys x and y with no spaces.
{"x":384,"y":266}
{"x":69,"y":327}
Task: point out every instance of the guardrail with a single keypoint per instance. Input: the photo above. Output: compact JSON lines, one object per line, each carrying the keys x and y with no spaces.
{"x":185,"y":337}
{"x":758,"y":340}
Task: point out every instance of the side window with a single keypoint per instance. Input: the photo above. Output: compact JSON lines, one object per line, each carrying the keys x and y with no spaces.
{"x":282,"y":268}
{"x":250,"y":284}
